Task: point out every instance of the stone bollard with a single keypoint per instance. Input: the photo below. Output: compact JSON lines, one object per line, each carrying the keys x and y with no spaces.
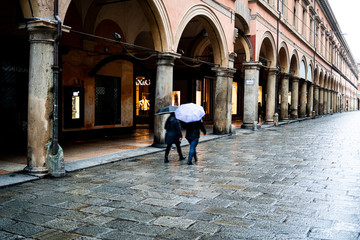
{"x":255,"y":125}
{"x":276,"y":119}
{"x":313,"y":114}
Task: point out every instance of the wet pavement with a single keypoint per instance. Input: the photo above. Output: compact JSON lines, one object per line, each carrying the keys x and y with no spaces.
{"x":296,"y":181}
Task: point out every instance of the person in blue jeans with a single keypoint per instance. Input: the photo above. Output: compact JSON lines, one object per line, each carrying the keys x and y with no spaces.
{"x":193,"y":135}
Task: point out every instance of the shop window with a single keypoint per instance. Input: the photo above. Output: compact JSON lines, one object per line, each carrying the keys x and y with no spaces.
{"x":176,"y":98}
{"x":143,"y":104}
{"x":234,"y":103}
{"x":73,"y":107}
{"x":107,"y":100}
{"x":204,"y":95}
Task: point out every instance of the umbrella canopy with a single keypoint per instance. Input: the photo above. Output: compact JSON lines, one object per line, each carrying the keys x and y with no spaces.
{"x":189,"y":112}
{"x":165,"y":110}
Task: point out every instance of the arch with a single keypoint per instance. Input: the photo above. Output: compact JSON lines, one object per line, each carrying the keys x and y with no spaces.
{"x":303,"y":68}
{"x":326,"y":79}
{"x":201,"y":46}
{"x":321,"y":78}
{"x":154,"y":11}
{"x":243,"y":43}
{"x":112,"y":58}
{"x":309,"y":73}
{"x":212,"y":26}
{"x":283,"y":57}
{"x":267,"y":50}
{"x":242,"y":16}
{"x":294,"y":64}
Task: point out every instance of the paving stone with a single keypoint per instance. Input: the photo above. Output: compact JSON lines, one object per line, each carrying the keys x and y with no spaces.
{"x":63,"y":224}
{"x":205,"y":227}
{"x":24,"y":229}
{"x":9,"y":236}
{"x":33,"y":218}
{"x":121,"y":224}
{"x":125,"y":235}
{"x":97,"y":220}
{"x":234,"y":221}
{"x":4,"y":222}
{"x":55,"y":235}
{"x":148,"y":230}
{"x":93,"y":230}
{"x":177,"y":222}
{"x":97,"y":209}
{"x":131,"y":215}
{"x":160,"y":202}
{"x":179,"y":234}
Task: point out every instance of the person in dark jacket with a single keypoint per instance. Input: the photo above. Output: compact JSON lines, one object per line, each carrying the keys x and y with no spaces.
{"x":173,"y":136}
{"x":193,"y":135}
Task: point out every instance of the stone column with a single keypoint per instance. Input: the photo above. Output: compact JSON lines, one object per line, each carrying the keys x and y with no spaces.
{"x":330,"y":105}
{"x":326,"y":103}
{"x":223,"y":100}
{"x":251,"y":91}
{"x":40,"y":99}
{"x":302,"y":112}
{"x":310,"y":100}
{"x":284,"y":106}
{"x":321,"y":101}
{"x":294,"y":97}
{"x":336,"y":109}
{"x":270,"y":95}
{"x":163,"y":93}
{"x":316,"y":99}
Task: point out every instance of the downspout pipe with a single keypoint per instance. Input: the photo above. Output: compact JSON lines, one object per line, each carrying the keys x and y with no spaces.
{"x":277,"y":58}
{"x":55,"y":139}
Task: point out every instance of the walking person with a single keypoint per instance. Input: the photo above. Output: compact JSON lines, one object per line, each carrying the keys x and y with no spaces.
{"x":193,"y":136}
{"x":173,"y":136}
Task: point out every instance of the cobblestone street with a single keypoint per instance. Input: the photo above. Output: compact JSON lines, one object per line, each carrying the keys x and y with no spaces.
{"x":296,"y":181}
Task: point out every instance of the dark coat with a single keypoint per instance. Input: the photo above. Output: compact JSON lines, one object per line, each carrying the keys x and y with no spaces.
{"x":193,"y":129}
{"x":173,"y":130}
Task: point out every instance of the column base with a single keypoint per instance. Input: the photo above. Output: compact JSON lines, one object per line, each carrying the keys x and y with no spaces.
{"x":250,"y":126}
{"x":36,"y":171}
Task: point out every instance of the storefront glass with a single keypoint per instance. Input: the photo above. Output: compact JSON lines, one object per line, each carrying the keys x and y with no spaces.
{"x":142,"y":96}
{"x":234,"y":103}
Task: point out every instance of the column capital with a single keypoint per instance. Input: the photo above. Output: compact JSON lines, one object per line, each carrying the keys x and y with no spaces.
{"x":41,"y":31}
{"x":165,"y":55}
{"x":252,"y":65}
{"x":224,"y":71}
{"x":272,"y":70}
{"x":285,"y":75}
{"x":167,"y":58}
{"x":295,"y":79}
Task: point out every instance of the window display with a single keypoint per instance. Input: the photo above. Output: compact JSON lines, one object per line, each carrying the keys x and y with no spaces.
{"x":176,"y":98}
{"x":142,"y":101}
{"x":234,"y":102}
{"x":75,"y":105}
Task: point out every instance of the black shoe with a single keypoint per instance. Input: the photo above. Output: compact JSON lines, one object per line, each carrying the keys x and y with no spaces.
{"x":189,"y":163}
{"x":182,"y":158}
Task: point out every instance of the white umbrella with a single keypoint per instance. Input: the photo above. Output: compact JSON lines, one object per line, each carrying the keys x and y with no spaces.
{"x":189,"y":112}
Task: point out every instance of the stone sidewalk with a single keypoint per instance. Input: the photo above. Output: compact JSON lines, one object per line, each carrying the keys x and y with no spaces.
{"x":296,"y":181}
